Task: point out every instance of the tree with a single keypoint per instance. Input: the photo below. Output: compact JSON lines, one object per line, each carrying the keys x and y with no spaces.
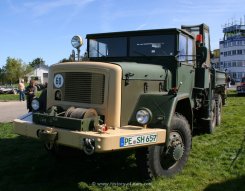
{"x":2,"y":75}
{"x":27,"y":69}
{"x":37,"y":62}
{"x":15,"y":69}
{"x":64,"y":60}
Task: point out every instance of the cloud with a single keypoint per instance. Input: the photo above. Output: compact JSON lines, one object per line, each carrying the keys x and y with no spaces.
{"x":108,"y":15}
{"x":13,"y":7}
{"x":44,"y":7}
{"x":37,"y":10}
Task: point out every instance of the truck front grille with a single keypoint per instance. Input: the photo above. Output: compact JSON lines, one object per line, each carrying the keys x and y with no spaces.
{"x":84,"y":87}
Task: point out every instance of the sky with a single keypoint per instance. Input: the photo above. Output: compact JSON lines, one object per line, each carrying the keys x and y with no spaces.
{"x":43,"y":28}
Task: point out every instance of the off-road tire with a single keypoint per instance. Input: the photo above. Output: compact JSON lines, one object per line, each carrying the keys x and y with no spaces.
{"x":153,"y":161}
{"x":208,"y":126}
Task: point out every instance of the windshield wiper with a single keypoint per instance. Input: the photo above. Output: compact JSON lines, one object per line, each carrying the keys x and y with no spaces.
{"x":101,"y":55}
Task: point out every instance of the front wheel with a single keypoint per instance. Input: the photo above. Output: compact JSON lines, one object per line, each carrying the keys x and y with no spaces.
{"x":160,"y":160}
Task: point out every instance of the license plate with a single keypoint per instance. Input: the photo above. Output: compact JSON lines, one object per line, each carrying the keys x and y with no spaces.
{"x":137,"y":140}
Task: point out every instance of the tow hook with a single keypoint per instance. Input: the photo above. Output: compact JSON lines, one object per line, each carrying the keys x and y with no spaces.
{"x":47,"y":136}
{"x":88,"y":146}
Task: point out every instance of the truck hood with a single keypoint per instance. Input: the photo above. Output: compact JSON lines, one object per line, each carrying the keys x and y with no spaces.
{"x":142,"y":71}
{"x":130,"y":70}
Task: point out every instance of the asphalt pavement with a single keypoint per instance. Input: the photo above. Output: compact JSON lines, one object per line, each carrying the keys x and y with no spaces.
{"x":12,"y":110}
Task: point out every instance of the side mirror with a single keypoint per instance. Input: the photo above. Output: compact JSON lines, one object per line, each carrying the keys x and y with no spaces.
{"x":201,"y":56}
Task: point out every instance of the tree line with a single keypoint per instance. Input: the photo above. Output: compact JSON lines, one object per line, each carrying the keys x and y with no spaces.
{"x":14,"y":69}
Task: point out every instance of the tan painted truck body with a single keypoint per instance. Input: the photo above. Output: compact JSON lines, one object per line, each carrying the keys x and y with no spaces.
{"x":109,"y":107}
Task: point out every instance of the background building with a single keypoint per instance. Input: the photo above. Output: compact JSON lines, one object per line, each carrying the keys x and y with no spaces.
{"x":216,"y":58}
{"x":40,"y":72}
{"x":232,"y":51}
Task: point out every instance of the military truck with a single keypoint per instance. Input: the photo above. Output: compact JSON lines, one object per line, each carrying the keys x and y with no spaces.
{"x":144,"y":90}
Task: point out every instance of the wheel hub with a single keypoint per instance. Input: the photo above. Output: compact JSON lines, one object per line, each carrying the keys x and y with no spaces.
{"x":178,"y":152}
{"x":176,"y":146}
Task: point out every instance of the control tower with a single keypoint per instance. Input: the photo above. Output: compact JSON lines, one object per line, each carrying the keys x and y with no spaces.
{"x":232,"y":50}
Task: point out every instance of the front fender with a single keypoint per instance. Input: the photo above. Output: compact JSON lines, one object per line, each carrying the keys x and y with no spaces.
{"x":162,"y":107}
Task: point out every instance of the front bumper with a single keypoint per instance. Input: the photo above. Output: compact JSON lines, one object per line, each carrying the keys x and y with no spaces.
{"x":113,"y":139}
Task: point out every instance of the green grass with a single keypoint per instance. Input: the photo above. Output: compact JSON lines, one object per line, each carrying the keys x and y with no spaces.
{"x":9,"y":97}
{"x":216,"y":163}
{"x":12,"y":97}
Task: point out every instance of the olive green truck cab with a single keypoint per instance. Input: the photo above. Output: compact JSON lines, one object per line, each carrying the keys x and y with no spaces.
{"x":144,"y":90}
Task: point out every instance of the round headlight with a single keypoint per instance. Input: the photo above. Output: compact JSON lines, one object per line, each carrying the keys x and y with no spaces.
{"x":35,"y":104}
{"x":238,"y":88}
{"x":143,"y":116}
{"x":76,"y":41}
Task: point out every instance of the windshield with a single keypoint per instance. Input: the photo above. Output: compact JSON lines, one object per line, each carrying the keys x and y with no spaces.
{"x":160,"y":45}
{"x":155,"y":45}
{"x":108,"y":47}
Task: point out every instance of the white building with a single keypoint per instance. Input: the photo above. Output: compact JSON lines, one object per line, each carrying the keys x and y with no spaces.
{"x":232,"y":51}
{"x":40,"y":73}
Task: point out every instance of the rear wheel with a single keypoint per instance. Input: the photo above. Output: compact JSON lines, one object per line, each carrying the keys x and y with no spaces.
{"x":160,"y":160}
{"x":209,"y":125}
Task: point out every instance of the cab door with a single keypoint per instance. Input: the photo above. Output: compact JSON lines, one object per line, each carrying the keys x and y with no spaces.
{"x":186,"y":71}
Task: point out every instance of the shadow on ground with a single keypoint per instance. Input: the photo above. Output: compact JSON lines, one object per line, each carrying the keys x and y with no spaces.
{"x":26,"y":165}
{"x":235,"y":95}
{"x":236,"y":184}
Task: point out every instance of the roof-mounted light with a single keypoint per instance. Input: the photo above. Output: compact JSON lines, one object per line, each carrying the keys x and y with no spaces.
{"x":199,"y":38}
{"x":76,"y":41}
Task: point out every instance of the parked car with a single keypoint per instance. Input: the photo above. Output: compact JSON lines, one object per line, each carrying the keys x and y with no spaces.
{"x":241,"y":88}
{"x":8,"y":91}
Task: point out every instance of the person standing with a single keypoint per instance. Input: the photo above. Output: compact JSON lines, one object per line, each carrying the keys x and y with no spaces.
{"x":229,"y":81}
{"x":21,"y":88}
{"x":31,"y":91}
